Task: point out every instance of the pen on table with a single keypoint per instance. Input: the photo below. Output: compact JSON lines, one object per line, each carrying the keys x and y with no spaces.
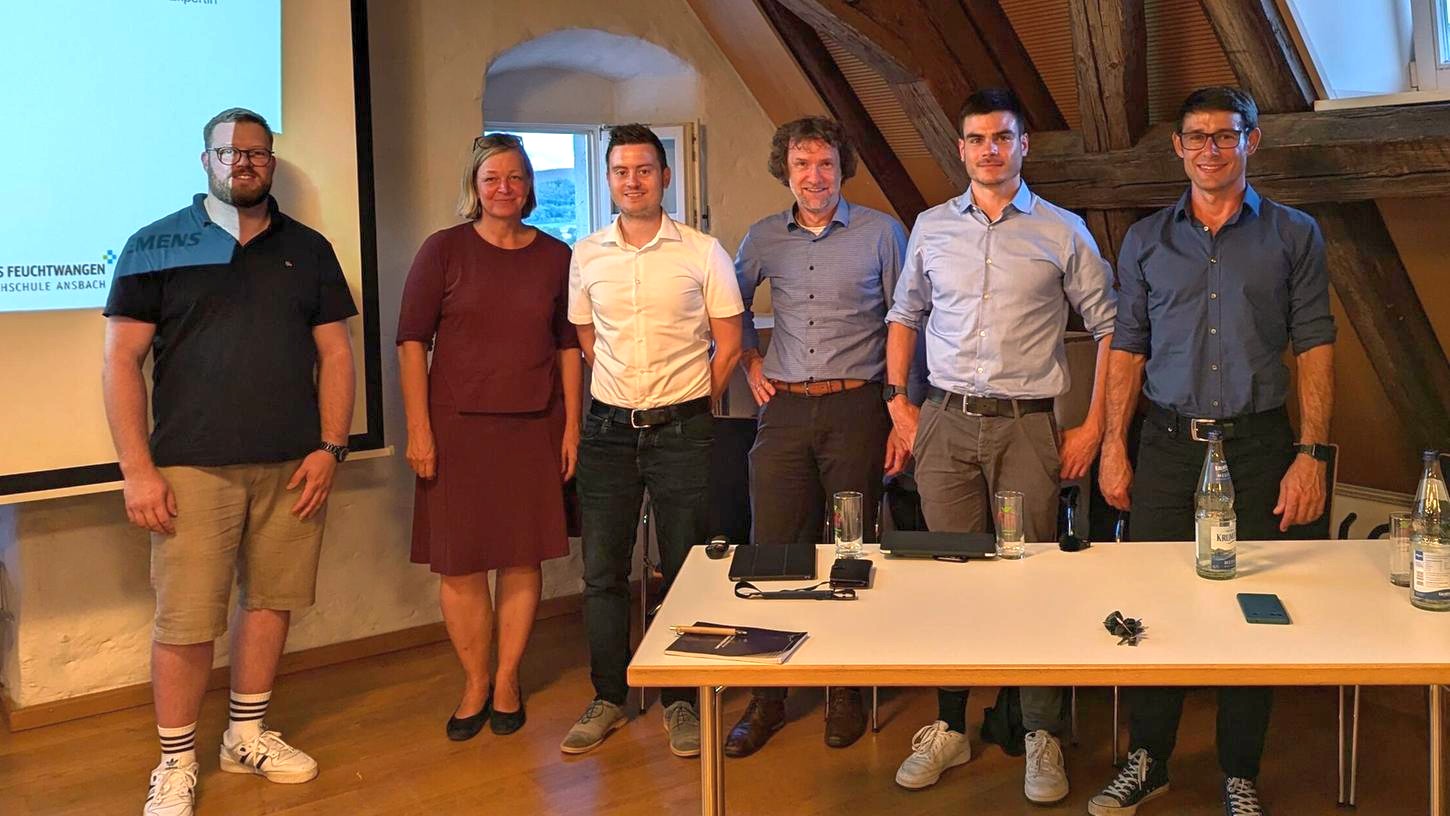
{"x":724,"y":631}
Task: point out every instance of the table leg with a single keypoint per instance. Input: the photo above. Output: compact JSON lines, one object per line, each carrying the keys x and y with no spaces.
{"x":1116,"y":761}
{"x":1354,"y":751}
{"x":1342,"y":797}
{"x":1437,"y":753}
{"x":712,"y":769}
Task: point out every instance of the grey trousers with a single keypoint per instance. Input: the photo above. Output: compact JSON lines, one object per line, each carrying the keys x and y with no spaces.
{"x":961,"y":461}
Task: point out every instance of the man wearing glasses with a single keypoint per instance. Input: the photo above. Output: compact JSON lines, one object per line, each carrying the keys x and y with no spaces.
{"x":1211,"y":290}
{"x":246,"y":312}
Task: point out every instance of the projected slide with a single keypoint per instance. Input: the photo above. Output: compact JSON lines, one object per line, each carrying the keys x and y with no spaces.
{"x":105,"y":104}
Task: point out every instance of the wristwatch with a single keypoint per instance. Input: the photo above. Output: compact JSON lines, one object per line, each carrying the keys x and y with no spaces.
{"x":339,"y":452}
{"x":890,"y":392}
{"x":1320,"y":452}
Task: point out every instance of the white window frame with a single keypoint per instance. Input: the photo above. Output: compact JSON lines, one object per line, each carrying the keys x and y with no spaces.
{"x":594,"y":167}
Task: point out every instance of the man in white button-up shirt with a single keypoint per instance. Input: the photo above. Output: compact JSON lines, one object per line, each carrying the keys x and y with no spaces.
{"x":647,"y":295}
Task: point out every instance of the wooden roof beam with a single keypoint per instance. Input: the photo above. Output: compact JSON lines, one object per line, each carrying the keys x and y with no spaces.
{"x":933,"y":54}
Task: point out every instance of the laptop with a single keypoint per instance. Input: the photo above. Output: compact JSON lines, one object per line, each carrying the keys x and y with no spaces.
{"x":941,"y":546}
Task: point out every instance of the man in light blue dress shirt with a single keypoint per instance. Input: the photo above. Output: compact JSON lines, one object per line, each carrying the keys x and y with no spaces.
{"x":989,"y":277}
{"x":832,"y":268}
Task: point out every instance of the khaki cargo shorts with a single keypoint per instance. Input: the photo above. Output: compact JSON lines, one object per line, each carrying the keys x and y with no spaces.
{"x":232,"y":521}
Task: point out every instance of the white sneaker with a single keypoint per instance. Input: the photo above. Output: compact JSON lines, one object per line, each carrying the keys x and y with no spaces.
{"x":173,"y":787}
{"x":267,"y":755}
{"x":933,"y":750}
{"x":1046,"y":779}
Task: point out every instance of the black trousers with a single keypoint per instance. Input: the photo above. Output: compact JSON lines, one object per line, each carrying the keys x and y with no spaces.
{"x":1169,"y":463}
{"x":806,"y":450}
{"x":616,"y":464}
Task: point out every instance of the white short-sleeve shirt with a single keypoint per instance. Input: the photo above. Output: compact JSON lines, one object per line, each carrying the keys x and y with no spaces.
{"x":651,"y":308}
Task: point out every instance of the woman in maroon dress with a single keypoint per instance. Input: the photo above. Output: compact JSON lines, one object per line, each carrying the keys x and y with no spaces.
{"x":493,"y":423}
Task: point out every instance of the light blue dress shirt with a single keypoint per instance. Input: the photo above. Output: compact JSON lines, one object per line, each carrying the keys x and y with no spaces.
{"x":992,"y":296}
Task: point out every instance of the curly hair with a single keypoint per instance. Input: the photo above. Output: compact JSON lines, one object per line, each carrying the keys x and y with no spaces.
{"x":810,"y":128}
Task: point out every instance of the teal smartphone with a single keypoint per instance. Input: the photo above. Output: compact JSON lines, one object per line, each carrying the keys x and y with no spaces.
{"x":1262,"y":608}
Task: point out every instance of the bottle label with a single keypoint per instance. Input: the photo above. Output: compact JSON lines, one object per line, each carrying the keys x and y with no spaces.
{"x":1431,"y":580}
{"x":1220,"y":471}
{"x":1222,"y":551}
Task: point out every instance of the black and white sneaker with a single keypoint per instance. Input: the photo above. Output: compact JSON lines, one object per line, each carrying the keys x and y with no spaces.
{"x":1240,"y":798}
{"x":1140,"y":779}
{"x":267,"y":755}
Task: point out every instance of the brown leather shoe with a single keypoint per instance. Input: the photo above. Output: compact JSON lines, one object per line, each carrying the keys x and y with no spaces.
{"x":845,"y":716}
{"x":762,"y":718}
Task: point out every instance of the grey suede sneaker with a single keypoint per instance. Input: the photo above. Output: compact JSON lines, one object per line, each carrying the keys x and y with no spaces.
{"x":598,"y":720}
{"x":683,"y":726}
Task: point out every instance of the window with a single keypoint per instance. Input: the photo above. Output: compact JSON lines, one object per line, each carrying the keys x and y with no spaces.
{"x":569,"y":184}
{"x":563,"y":177}
{"x":1376,"y":52}
{"x":1442,"y":33}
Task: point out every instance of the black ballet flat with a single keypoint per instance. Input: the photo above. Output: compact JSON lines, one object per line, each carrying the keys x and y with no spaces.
{"x":504,"y":723}
{"x":467,"y":728}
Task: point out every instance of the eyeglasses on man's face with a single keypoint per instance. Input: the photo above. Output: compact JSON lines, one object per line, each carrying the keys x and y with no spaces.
{"x":1222,"y":139}
{"x":231,"y":155}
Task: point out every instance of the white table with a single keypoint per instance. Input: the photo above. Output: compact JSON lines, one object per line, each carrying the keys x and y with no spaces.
{"x":1038,"y":622}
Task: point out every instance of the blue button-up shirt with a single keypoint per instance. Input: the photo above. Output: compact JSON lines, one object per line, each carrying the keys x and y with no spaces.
{"x":830,"y":292}
{"x":1213,"y":313}
{"x":993,"y":295}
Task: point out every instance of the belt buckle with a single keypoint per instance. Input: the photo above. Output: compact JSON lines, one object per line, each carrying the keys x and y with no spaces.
{"x":1193,"y":428}
{"x":966,"y":397}
{"x":634,"y":418}
{"x":807,"y":386}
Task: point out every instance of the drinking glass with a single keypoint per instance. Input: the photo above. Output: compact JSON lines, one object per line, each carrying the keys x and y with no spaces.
{"x":846,"y":521}
{"x":1011,"y":539}
{"x":1402,"y":525}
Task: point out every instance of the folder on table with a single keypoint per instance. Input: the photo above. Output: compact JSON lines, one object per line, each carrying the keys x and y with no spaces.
{"x":757,"y":645}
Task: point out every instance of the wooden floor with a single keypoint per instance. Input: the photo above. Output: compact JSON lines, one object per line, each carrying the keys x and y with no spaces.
{"x":376,"y":728}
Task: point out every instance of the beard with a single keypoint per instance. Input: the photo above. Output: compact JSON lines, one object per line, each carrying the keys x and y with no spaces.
{"x":222,"y":190}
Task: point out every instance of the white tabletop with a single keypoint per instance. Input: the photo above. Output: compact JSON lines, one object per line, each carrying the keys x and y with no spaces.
{"x":1039,"y":621}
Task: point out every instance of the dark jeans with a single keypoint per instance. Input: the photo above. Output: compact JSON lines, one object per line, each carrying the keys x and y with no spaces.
{"x":806,"y":450}
{"x":1169,"y":464}
{"x":617,"y":464}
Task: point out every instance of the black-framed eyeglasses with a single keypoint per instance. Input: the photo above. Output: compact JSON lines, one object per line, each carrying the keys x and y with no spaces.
{"x":497,"y":140}
{"x":232,"y":155}
{"x":1222,"y":139}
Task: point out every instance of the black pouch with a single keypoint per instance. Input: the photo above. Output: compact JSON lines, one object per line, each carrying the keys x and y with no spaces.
{"x":851,"y":572}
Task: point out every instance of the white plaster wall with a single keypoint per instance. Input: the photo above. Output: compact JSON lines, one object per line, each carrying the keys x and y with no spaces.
{"x":549,"y":96}
{"x":79,"y":572}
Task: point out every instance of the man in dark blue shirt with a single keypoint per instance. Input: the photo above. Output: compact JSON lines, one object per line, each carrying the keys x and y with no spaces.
{"x":244,"y":312}
{"x":1211,"y":291}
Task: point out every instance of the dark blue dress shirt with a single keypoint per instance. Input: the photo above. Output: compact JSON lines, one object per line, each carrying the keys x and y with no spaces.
{"x":1213,"y":313}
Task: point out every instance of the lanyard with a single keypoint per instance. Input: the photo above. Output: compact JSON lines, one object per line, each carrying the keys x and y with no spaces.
{"x":745,"y":589}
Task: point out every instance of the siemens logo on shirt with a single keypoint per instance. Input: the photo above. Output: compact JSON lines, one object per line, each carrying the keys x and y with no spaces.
{"x":175,"y":240}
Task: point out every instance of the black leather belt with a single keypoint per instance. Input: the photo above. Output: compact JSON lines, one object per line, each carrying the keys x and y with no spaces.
{"x":650,"y":417}
{"x":987,"y":406}
{"x":1231,"y":427}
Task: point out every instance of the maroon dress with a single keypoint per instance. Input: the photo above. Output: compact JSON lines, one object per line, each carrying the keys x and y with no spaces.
{"x":496,"y":321}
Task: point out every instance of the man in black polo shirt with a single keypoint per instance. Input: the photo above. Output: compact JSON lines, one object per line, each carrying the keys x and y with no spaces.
{"x":1211,"y":291}
{"x":244,"y":310}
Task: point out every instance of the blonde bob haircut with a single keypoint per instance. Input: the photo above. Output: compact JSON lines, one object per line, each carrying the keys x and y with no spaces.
{"x":484,"y":148}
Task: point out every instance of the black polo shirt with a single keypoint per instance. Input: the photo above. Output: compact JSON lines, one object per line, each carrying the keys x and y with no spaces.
{"x":234,"y":375}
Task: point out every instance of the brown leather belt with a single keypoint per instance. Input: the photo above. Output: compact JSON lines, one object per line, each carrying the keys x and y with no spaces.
{"x":817,"y":388}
